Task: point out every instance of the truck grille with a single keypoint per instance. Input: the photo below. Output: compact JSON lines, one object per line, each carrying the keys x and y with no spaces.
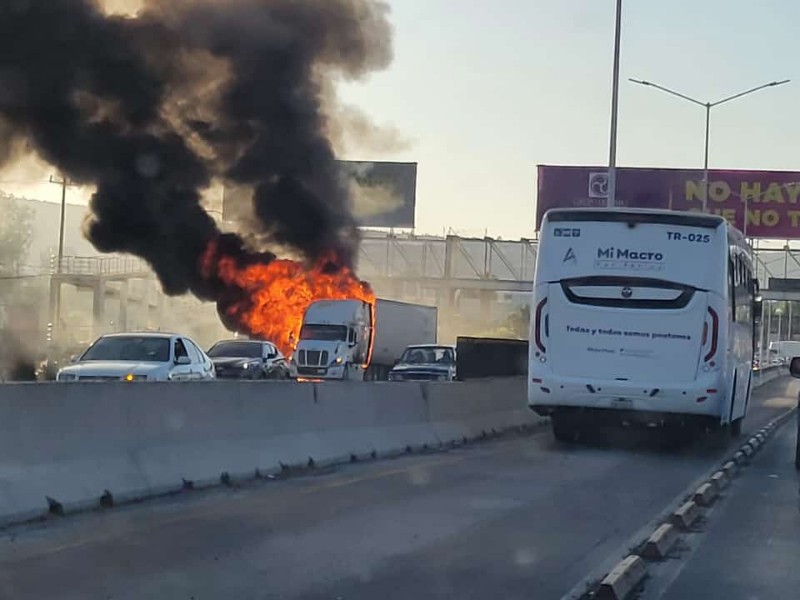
{"x":306,"y":371}
{"x":417,"y":376}
{"x":312,"y":358}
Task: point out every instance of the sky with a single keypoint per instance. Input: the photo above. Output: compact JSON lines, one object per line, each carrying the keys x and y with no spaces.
{"x":485,"y":91}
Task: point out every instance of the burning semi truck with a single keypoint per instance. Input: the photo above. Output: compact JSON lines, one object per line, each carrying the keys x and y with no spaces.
{"x":188,"y":95}
{"x":357,"y":340}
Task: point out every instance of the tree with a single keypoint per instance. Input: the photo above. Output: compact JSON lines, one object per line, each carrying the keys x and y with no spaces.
{"x":519,"y":322}
{"x":16,"y":230}
{"x":16,"y":227}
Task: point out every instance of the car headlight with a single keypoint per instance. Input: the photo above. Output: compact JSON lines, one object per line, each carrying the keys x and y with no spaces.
{"x":339,"y":360}
{"x":132,"y":377}
{"x":250,"y":365}
{"x":66,"y":377}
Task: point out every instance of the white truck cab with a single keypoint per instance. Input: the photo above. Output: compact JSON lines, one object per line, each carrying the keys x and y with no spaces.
{"x":334,"y":341}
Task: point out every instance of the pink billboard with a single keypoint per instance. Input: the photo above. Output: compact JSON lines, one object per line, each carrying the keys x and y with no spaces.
{"x":770,"y":199}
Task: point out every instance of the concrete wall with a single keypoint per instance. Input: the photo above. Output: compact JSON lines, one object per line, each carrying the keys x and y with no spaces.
{"x":760,"y":377}
{"x":74,"y":442}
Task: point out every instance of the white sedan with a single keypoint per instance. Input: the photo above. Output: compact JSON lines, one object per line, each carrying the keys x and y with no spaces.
{"x":140,"y":357}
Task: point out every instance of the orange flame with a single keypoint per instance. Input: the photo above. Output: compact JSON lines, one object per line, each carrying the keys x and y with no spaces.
{"x":272,"y":297}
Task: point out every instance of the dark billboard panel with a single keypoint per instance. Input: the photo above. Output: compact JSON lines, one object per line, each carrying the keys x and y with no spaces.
{"x":384,"y":194}
{"x":478,"y":358}
{"x":771,"y":198}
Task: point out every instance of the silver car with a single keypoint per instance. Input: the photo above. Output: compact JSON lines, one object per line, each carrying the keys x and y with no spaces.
{"x":140,"y":357}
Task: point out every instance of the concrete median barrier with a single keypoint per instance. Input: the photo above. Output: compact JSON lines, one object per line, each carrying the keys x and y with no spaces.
{"x":763,"y":376}
{"x":73,"y":443}
{"x":470,"y":409}
{"x":359,"y":419}
{"x":66,"y":447}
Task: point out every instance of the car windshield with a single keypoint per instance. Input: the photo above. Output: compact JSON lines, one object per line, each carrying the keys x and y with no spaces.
{"x":431,"y":355}
{"x":326,"y":333}
{"x":236,"y":350}
{"x":129,"y":348}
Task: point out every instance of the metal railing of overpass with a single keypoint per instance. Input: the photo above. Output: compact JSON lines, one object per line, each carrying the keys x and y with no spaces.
{"x":101,"y":266}
{"x":450,"y":261}
{"x":439,"y":262}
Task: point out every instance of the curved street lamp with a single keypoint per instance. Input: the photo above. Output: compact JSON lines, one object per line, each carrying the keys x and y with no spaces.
{"x":708,"y":106}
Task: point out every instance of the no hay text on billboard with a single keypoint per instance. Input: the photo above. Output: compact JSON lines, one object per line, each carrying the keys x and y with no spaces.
{"x":772,"y":198}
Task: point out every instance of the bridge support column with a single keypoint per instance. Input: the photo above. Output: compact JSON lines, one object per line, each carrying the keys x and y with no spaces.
{"x":99,"y":307}
{"x":54,"y":308}
{"x":486,"y":298}
{"x":122,"y":320}
{"x":155,"y":312}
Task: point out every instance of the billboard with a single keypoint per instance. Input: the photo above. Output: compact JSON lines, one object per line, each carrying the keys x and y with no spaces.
{"x":771,"y":198}
{"x":383,"y":194}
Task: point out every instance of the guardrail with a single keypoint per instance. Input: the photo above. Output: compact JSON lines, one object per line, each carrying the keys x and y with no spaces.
{"x":762,"y":376}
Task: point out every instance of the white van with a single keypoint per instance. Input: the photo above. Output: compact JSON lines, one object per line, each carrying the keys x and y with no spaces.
{"x":643,"y":316}
{"x":783,"y":351}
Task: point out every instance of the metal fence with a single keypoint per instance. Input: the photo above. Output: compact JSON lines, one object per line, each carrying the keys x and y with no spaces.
{"x":410,"y":257}
{"x":450,"y":257}
{"x":99,"y":265}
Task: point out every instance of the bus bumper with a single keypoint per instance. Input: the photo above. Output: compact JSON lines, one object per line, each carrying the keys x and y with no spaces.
{"x":702,"y":397}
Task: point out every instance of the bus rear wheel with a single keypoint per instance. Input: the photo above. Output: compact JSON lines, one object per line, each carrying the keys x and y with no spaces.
{"x":565,"y":429}
{"x":736,"y":427}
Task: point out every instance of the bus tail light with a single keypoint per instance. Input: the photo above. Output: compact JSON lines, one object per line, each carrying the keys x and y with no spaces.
{"x":537,"y":327}
{"x":714,"y":334}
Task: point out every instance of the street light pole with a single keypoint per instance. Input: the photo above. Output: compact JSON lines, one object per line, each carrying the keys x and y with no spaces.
{"x":611,"y":200}
{"x":708,"y":106}
{"x":705,"y":158}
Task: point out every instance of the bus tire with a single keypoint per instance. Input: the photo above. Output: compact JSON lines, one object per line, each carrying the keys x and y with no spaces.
{"x":736,"y":427}
{"x":564,"y":429}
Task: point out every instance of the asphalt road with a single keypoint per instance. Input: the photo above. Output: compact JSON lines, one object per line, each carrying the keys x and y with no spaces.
{"x":750,"y":545}
{"x":520,"y":517}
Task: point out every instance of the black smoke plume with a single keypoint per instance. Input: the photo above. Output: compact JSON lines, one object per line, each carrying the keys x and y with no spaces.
{"x":152,"y":108}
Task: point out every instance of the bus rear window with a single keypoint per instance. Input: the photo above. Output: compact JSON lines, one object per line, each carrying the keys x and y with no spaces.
{"x":680,"y":249}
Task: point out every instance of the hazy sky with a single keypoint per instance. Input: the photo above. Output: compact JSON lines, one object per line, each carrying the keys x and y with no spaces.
{"x":488,"y":90}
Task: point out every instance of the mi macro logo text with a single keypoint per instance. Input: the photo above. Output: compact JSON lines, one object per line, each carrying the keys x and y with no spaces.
{"x":612,"y":253}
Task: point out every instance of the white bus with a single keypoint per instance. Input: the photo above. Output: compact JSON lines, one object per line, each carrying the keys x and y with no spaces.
{"x":641,"y":316}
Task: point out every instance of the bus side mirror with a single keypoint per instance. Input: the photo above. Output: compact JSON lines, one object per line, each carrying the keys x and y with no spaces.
{"x":794,"y":367}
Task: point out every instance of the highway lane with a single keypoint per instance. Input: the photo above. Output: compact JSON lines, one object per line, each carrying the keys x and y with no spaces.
{"x":749,"y":545}
{"x":518,"y":517}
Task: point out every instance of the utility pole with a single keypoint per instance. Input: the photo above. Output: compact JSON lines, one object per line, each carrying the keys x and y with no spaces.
{"x":55,"y":286}
{"x":63,"y":182}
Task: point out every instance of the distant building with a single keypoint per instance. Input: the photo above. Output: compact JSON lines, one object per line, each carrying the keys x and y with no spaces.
{"x":45,"y":227}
